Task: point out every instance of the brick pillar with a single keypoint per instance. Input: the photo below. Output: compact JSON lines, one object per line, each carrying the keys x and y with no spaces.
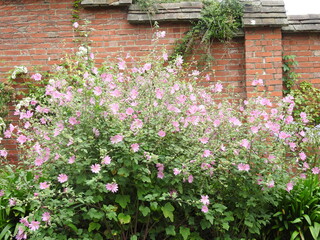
{"x":263,"y":59}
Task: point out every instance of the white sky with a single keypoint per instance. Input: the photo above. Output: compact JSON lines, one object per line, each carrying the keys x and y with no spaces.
{"x":294,"y":7}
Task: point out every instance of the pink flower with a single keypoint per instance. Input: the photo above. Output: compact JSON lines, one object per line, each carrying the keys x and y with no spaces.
{"x":190,"y":179}
{"x":216,"y":122}
{"x":114,"y":107}
{"x":243,"y":167}
{"x":129,"y":111}
{"x":136,"y":124}
{"x":257,"y":82}
{"x":206,"y":153}
{"x":22,"y":139}
{"x":162,"y":133}
{"x":160,"y":174}
{"x":122,"y":65}
{"x":304,"y":118}
{"x":303,"y":156}
{"x":12,"y":202}
{"x":73,"y":121}
{"x":75,"y":24}
{"x":159,"y":93}
{"x":147,"y":66}
{"x":62,"y":178}
{"x":204,"y":208}
{"x":46,"y":217}
{"x":218,"y":87}
{"x":106,"y":160}
{"x":39,"y":161}
{"x":245,"y":143}
{"x":292,"y":146}
{"x":254,"y":129}
{"x":97,"y":91}
{"x":315,"y":170}
{"x":21,"y":234}
{"x":24,"y":221}
{"x":204,"y":140}
{"x":176,"y":171}
{"x":116,"y":139}
{"x":284,"y":135}
{"x":161,"y":34}
{"x":44,"y":185}
{"x":165,"y":56}
{"x":3,"y":153}
{"x":306,"y":165}
{"x":289,"y":186}
{"x":288,"y":120}
{"x":36,"y":76}
{"x":34,"y":225}
{"x":235,"y":121}
{"x":72,"y":159}
{"x":205,"y":199}
{"x":112,"y":187}
{"x":95,"y":168}
{"x":135,"y":147}
{"x":270,"y":184}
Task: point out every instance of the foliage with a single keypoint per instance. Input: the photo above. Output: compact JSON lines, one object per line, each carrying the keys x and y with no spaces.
{"x":6,"y":96}
{"x":145,"y":153}
{"x":220,"y":20}
{"x":15,"y":187}
{"x":290,"y":77}
{"x":298,"y":215}
{"x":307,"y":97}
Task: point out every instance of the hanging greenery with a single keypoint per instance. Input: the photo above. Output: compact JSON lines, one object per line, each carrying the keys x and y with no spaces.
{"x":220,"y":20}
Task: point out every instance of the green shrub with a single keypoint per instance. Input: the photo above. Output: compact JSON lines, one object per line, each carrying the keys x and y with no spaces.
{"x":298,"y":215}
{"x":145,"y":153}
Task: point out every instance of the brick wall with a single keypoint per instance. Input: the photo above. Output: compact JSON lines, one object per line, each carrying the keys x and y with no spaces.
{"x":306,"y":46}
{"x":39,"y":32}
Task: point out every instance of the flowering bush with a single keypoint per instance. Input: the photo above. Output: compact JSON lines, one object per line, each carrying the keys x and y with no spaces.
{"x":145,"y":153}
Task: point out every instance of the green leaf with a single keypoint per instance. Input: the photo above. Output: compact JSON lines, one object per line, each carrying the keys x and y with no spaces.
{"x":185,"y":232}
{"x":167,"y":210}
{"x":145,"y":179}
{"x":5,"y":231}
{"x":123,"y":200}
{"x":123,"y":218}
{"x":124,"y":172}
{"x":95,"y":214}
{"x":144,"y":210}
{"x":154,"y":206}
{"x":315,"y":230}
{"x":134,"y":237}
{"x":94,"y":226}
{"x":170,"y":230}
{"x":297,"y":220}
{"x":225,"y":226}
{"x":73,"y":227}
{"x":294,"y":235}
{"x":307,"y":218}
{"x":20,"y":209}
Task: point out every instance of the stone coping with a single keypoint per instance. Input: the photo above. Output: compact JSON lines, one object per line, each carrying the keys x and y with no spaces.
{"x":303,"y":23}
{"x":257,"y":13}
{"x":166,"y":12}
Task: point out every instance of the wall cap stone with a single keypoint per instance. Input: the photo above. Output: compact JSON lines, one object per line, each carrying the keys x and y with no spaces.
{"x":105,"y":3}
{"x":166,"y":12}
{"x":264,"y":13}
{"x":303,"y":23}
